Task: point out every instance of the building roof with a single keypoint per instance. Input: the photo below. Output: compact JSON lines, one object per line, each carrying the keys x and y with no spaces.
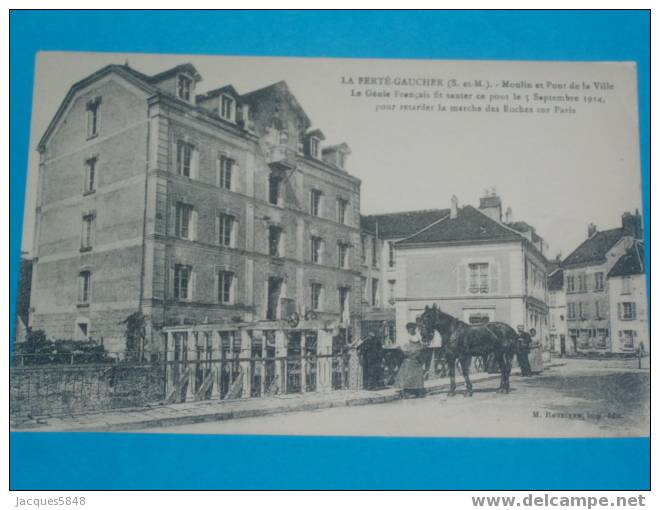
{"x":227,"y":89}
{"x":256,"y":96}
{"x":556,"y":279}
{"x":401,"y":224}
{"x":594,"y":249}
{"x":181,"y":68}
{"x":630,"y":263}
{"x":522,"y":226}
{"x":470,"y":225}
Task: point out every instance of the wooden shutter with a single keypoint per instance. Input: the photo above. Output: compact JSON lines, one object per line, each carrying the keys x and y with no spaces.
{"x":217,"y":229}
{"x":194,"y":163}
{"x":216,"y":285}
{"x":235,"y":170}
{"x":193,"y":225}
{"x":171,"y":282}
{"x":462,"y":278}
{"x":633,"y":310}
{"x":218,"y":170}
{"x":173,"y":220}
{"x":193,"y":286}
{"x":494,"y":277}
{"x":619,"y":310}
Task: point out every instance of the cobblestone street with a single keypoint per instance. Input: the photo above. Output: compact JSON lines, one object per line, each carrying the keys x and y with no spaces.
{"x":581,"y":398}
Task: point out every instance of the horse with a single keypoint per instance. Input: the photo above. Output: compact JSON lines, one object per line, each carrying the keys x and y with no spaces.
{"x":462,"y":341}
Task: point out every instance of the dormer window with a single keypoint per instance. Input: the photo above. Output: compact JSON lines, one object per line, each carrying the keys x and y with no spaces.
{"x":315,"y":147}
{"x":340,"y":159}
{"x":183,"y":87}
{"x":227,"y":108}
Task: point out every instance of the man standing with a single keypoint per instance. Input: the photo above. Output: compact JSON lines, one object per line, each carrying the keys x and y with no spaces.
{"x":524,"y":347}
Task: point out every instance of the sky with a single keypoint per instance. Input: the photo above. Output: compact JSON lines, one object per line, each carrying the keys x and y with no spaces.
{"x":556,"y":172}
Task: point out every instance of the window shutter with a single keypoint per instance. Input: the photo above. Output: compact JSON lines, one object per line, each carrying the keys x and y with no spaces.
{"x":218,"y":170}
{"x":495,"y":278}
{"x":171,"y":282}
{"x":633,"y":307}
{"x":462,"y":279}
{"x":216,"y":285}
{"x":173,"y":220}
{"x":217,"y":229}
{"x":193,"y":226}
{"x":619,"y":310}
{"x":235,"y":170}
{"x":193,"y":286}
{"x":194,"y":164}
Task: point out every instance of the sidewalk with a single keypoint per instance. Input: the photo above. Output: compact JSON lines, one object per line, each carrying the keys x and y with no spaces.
{"x":215,"y":410}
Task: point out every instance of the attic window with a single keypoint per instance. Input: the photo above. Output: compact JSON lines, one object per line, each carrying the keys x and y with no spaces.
{"x":183,"y":87}
{"x":314,"y":147}
{"x":340,"y":159}
{"x":227,"y":108}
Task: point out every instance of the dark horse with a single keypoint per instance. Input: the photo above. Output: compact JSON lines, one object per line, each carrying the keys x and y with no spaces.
{"x":462,"y":341}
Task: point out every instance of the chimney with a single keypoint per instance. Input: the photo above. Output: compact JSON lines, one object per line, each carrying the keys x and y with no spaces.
{"x":453,"y":212}
{"x":508,"y":215}
{"x":491,"y":205}
{"x":632,"y":224}
{"x":591,"y":230}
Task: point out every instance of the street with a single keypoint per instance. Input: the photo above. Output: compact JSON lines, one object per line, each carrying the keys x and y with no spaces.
{"x":580,"y":398}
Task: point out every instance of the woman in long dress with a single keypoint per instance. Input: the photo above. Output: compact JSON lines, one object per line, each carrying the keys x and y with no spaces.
{"x":411,"y":373}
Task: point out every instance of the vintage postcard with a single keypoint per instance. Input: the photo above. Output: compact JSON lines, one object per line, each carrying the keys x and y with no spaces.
{"x":332,"y":246}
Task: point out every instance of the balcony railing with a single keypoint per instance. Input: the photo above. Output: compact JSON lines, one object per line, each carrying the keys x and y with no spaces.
{"x":282,"y":156}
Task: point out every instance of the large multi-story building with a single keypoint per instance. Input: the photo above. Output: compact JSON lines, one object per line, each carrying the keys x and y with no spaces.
{"x":477,"y":265}
{"x":191,"y":208}
{"x":586,"y":284}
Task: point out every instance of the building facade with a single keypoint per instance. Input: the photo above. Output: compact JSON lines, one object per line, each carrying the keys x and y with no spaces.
{"x":191,"y":208}
{"x":557,"y":313}
{"x":477,"y":266}
{"x":628,"y":303}
{"x":588,"y":316}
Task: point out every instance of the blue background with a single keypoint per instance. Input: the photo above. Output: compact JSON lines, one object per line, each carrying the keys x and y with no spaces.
{"x":134,"y":461}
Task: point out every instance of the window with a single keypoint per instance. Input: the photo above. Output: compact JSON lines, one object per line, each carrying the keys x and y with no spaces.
{"x":599,"y":281}
{"x":225,"y":287}
{"x":317,"y":243}
{"x":627,"y":311}
{"x":340,"y":159}
{"x":184,"y":157}
{"x":315,"y":204}
{"x":374,"y":252}
{"x":84,"y":287}
{"x":183,"y":221}
{"x":274,"y":190}
{"x":227,"y":108}
{"x":226,"y":224}
{"x":392,"y":284}
{"x":598,"y":316}
{"x":582,"y":283}
{"x":363,"y":249}
{"x":342,"y":255}
{"x":479,"y":318}
{"x":342,"y":207}
{"x":478,"y":274}
{"x":90,"y":176}
{"x":343,"y":302}
{"x":375,"y":301}
{"x":183,"y":87}
{"x":314,"y":147}
{"x":316,"y":290}
{"x":626,"y":287}
{"x":582,"y":310}
{"x":627,"y":338}
{"x":274,"y":241}
{"x":390,"y":254}
{"x":182,"y":279}
{"x":570,"y":284}
{"x":87,"y":232}
{"x":225,"y":168}
{"x":571,"y":311}
{"x":93,"y":117}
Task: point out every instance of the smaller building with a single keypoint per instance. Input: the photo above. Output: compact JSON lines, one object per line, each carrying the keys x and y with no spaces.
{"x":627,"y":285}
{"x":557,"y":312}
